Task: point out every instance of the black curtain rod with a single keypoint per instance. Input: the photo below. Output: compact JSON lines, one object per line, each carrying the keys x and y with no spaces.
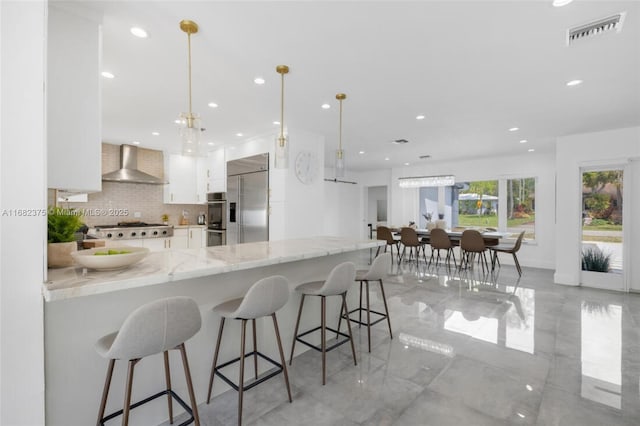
{"x":340,"y":181}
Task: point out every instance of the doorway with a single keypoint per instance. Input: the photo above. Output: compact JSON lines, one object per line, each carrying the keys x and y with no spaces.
{"x":602,"y":227}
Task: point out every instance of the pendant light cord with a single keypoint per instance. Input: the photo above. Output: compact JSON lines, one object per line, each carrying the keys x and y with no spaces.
{"x":282,"y":108}
{"x":189,"y":48}
{"x":340,"y":133}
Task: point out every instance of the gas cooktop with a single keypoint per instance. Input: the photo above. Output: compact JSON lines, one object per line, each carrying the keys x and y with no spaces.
{"x":131,"y":230}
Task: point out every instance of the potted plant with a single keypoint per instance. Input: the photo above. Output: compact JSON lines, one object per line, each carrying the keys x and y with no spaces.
{"x":596,"y":269}
{"x":62,"y":224}
{"x":594,"y":259}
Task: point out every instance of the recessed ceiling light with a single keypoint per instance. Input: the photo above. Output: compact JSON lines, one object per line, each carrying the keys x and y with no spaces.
{"x":210,"y":143}
{"x":258,"y":80}
{"x":531,"y":150}
{"x":361,"y":152}
{"x":523,"y":141}
{"x":326,"y":106}
{"x":560,"y":3}
{"x":136,"y":142}
{"x":406,"y":164}
{"x":155,"y":133}
{"x":574,"y":82}
{"x":213,"y":105}
{"x":386,"y":158}
{"x":239,"y":134}
{"x":277,"y":123}
{"x":107,"y":74}
{"x":177,"y":121}
{"x":420,"y":117}
{"x":139,"y":32}
{"x":514,"y":129}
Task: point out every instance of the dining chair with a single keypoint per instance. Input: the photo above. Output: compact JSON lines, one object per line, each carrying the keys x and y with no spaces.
{"x":507,"y":248}
{"x":472,"y":243}
{"x":385,"y":234}
{"x":439,"y":240}
{"x":409,"y":238}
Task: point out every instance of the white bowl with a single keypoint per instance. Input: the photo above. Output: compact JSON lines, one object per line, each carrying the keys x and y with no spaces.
{"x":89,"y":258}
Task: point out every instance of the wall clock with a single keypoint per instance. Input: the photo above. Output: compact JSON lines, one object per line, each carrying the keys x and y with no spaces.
{"x":306,"y":167}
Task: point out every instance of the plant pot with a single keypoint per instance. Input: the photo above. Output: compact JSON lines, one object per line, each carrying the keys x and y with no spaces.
{"x":59,"y":254}
{"x":430,"y":225}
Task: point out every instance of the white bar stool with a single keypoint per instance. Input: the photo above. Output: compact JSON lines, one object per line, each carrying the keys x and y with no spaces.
{"x":337,"y":284}
{"x":264,"y":298}
{"x":153,"y":328}
{"x":377,"y":272}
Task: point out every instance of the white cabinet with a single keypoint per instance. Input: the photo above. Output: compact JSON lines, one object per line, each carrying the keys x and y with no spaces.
{"x":187,"y":179}
{"x":73,"y":100}
{"x":157,"y":244}
{"x":181,"y":173}
{"x":202,"y":168}
{"x":216,"y":171}
{"x":180,"y":238}
{"x":195,"y":237}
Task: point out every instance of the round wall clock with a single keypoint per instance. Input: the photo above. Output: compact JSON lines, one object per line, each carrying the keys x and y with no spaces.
{"x":306,"y":167}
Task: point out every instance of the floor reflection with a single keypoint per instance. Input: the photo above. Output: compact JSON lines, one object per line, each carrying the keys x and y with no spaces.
{"x":601,"y":337}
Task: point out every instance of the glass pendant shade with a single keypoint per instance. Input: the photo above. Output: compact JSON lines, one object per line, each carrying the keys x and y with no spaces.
{"x":189,"y":132}
{"x":282,"y":152}
{"x":339,"y":165}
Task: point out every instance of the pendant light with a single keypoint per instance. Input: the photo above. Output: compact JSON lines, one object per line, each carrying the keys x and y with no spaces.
{"x":190,"y":126}
{"x":282,"y":142}
{"x":339,"y":165}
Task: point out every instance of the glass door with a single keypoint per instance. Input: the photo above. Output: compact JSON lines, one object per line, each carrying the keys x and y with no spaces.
{"x":602,"y":228}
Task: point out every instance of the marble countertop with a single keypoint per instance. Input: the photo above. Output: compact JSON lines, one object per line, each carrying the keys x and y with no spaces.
{"x":174,"y":265}
{"x":188,"y":226}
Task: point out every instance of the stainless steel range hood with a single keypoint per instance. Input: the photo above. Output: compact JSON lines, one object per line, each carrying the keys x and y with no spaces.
{"x":128,"y":172}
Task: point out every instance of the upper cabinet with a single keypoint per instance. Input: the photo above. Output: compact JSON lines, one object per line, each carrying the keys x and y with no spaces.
{"x":187,"y":179}
{"x":73,"y":100}
{"x":217,"y":171}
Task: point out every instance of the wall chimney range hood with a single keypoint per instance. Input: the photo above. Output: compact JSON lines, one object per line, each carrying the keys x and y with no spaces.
{"x":128,"y":172}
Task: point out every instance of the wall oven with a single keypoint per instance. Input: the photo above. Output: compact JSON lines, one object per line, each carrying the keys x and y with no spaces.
{"x":216,"y":219}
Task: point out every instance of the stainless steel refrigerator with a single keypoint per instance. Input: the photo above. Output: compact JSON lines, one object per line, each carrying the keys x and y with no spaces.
{"x":248,"y":199}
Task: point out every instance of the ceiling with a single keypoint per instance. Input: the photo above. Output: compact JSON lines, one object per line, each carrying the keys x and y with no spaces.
{"x":474,"y":69}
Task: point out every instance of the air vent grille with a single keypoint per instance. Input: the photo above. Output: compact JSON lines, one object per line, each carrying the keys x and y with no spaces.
{"x":424,"y":157}
{"x":591,"y":29}
{"x":400,"y":141}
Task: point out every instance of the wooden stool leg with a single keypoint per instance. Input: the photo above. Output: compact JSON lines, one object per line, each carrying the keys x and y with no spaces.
{"x":215,"y":359}
{"x":282,"y":361}
{"x":167,"y":377}
{"x":295,"y":332}
{"x":255,"y":349}
{"x":187,"y":376}
{"x":368,"y":316}
{"x":127,"y":393}
{"x":105,"y":391}
{"x":386,"y":309}
{"x":353,"y":348}
{"x":241,"y":379}
{"x":323,"y":332}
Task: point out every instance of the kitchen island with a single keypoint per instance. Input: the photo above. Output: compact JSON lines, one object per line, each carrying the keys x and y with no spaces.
{"x":82,"y":306}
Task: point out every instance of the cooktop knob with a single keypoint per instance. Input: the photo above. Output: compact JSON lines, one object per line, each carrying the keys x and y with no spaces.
{"x":120,"y":234}
{"x":133,"y":234}
{"x":109,"y":235}
{"x":155,"y":232}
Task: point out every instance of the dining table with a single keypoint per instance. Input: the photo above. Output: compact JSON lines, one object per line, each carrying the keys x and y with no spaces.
{"x":490,"y":237}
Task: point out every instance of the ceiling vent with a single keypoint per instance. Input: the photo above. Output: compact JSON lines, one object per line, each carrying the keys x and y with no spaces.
{"x":591,"y":29}
{"x":400,"y":141}
{"x":424,"y":157}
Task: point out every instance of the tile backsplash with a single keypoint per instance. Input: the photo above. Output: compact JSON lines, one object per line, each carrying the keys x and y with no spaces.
{"x":118,"y":202}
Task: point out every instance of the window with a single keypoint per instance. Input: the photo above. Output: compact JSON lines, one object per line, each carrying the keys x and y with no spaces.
{"x":521,"y":207}
{"x":478,"y":204}
{"x":507,"y":205}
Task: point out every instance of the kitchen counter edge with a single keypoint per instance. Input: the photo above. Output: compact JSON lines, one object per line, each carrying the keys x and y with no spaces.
{"x":175,"y":265}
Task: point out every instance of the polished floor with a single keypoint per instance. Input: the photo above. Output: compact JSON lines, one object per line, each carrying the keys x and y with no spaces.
{"x":468,"y":349}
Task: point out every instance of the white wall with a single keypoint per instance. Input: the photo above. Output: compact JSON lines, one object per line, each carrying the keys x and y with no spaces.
{"x":22,"y":186}
{"x":572,"y":153}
